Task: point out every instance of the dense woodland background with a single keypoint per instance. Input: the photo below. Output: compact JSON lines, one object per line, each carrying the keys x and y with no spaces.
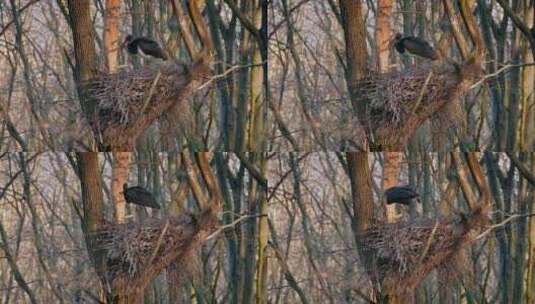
{"x":40,"y":105}
{"x":286,"y":208}
{"x":318,"y":47}
{"x":306,"y":244}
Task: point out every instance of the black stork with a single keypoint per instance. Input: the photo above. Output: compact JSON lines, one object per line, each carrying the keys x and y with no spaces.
{"x":400,"y":195}
{"x":416,"y":46}
{"x":145,"y":46}
{"x":139,"y":196}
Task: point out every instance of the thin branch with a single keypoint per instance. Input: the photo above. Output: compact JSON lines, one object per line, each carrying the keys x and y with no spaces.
{"x":422,"y":91}
{"x":245,"y":21}
{"x":151,"y":92}
{"x":518,"y":22}
{"x":224,"y":74}
{"x":255,"y":173}
{"x":231,"y":225}
{"x":429,"y":241}
{"x":18,"y":13}
{"x":523,"y":170}
{"x":500,"y":70}
{"x":503,"y":223}
{"x":159,"y":243}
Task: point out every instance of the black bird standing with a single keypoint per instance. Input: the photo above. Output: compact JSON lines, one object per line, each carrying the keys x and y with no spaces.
{"x":145,"y":45}
{"x":416,"y":46}
{"x":401,"y":195}
{"x":139,"y":196}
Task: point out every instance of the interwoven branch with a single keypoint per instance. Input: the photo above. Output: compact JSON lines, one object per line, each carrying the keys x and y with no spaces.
{"x":405,"y":252}
{"x":137,"y":252}
{"x":127,"y":102}
{"x":398,"y":102}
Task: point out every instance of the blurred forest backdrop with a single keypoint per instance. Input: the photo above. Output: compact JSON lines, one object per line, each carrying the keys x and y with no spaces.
{"x":303,"y":251}
{"x":284,"y":209}
{"x":39,"y":63}
{"x":317,"y":49}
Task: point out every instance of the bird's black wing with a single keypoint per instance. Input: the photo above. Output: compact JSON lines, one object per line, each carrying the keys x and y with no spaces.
{"x":419,"y":47}
{"x":151,"y":47}
{"x":139,"y":196}
{"x":400,"y":195}
{"x":418,"y":40}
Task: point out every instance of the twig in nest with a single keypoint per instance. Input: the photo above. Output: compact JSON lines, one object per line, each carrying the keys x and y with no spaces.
{"x":231,"y":225}
{"x":422,"y":91}
{"x":159,"y":243}
{"x":429,"y":241}
{"x":151,"y":91}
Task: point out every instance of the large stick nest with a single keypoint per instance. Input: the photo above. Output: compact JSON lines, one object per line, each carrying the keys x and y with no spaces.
{"x":136,"y":252}
{"x":404,"y":253}
{"x":128,"y":101}
{"x":399,"y":101}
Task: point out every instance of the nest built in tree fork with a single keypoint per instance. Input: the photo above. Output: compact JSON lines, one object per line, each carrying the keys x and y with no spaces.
{"x":399,"y":102}
{"x":135,"y":253}
{"x":127,"y":102}
{"x":402,"y":254}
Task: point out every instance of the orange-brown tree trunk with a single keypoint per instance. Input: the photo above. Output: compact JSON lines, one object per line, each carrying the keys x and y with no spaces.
{"x":390,"y":179}
{"x":383,"y":33}
{"x":119,"y":177}
{"x":111,"y":33}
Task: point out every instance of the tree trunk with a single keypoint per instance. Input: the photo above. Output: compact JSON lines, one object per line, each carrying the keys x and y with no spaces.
{"x":258,"y":106}
{"x":361,"y":191}
{"x":90,"y":179}
{"x":356,"y":52}
{"x":390,"y":179}
{"x":530,"y":275}
{"x":383,"y":33}
{"x":111,"y":33}
{"x":527,"y":89}
{"x":263,"y":232}
{"x":84,"y":48}
{"x":119,"y":177}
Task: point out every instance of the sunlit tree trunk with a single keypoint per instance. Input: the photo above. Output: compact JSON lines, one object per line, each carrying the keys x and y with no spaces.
{"x":257,"y":102}
{"x":390,"y":179}
{"x":119,"y":177}
{"x":520,"y":240}
{"x":111,"y":33}
{"x":263,"y":232}
{"x":382,"y":37}
{"x":383,"y":33}
{"x":527,"y":88}
{"x":530,"y":273}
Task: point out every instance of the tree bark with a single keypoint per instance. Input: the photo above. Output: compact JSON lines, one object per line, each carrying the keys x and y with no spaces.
{"x":356,"y":52}
{"x":92,"y":201}
{"x":530,"y":272}
{"x":84,"y":48}
{"x":119,"y":177}
{"x":361,"y":191}
{"x":383,"y":33}
{"x":390,"y":179}
{"x":111,"y":33}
